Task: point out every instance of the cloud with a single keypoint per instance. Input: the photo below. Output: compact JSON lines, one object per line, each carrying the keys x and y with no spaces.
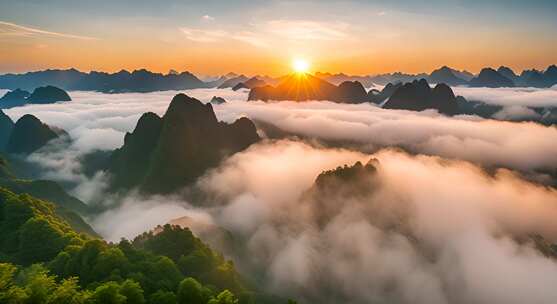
{"x":267,"y":33}
{"x":434,"y":227}
{"x":308,"y":30}
{"x":12,"y":29}
{"x":97,"y":121}
{"x":523,"y":146}
{"x":460,"y":219}
{"x":528,"y":97}
{"x":200,"y":35}
{"x":207,"y":18}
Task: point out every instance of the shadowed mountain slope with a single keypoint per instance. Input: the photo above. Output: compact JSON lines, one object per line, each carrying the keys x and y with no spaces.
{"x":164,"y":154}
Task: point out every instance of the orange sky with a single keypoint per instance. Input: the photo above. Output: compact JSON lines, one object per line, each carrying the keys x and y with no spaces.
{"x":264,"y":39}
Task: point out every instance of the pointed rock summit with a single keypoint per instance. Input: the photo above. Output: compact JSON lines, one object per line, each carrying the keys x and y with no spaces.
{"x":48,"y":94}
{"x":418,"y":96}
{"x":15,"y":98}
{"x":165,"y":154}
{"x":305,"y":87}
{"x":490,"y":78}
{"x":6,"y":127}
{"x":446,"y":75}
{"x":29,"y":134}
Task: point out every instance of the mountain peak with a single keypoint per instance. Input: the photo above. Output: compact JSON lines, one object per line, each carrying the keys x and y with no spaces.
{"x":29,"y":134}
{"x":165,"y":154}
{"x":489,"y":77}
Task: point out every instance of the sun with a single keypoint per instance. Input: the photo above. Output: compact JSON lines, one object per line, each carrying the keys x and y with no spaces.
{"x":300,"y":65}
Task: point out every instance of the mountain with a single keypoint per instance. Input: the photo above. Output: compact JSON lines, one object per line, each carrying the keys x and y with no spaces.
{"x":122,"y":81}
{"x":446,"y":75}
{"x":379,"y":97}
{"x":384,"y":79}
{"x":351,"y":92}
{"x":418,"y":96}
{"x":239,"y":86}
{"x":66,"y":206}
{"x":232,"y":82}
{"x":490,"y":78}
{"x":28,"y":135}
{"x":130,"y":163}
{"x":304,"y":87}
{"x":48,"y":94}
{"x":339,"y":78}
{"x":508,"y":73}
{"x":338,"y":185}
{"x":477,"y":108}
{"x":41,"y":95}
{"x":551,"y":75}
{"x":164,"y":154}
{"x":249,"y":84}
{"x":463,"y":74}
{"x":6,"y":126}
{"x":216,"y":100}
{"x":532,"y":78}
{"x":15,"y":98}
{"x":43,"y":257}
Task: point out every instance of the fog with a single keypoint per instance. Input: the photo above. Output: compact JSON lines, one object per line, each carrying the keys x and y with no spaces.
{"x":455,"y":242}
{"x":435,"y":227}
{"x":97,"y":121}
{"x":528,"y":97}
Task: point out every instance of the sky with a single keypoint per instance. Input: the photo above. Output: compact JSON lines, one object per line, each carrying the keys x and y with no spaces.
{"x":263,"y":37}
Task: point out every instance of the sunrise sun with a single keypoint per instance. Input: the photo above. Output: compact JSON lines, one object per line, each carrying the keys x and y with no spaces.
{"x":300,"y":65}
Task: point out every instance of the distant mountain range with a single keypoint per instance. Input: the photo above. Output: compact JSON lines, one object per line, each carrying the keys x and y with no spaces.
{"x":488,"y":77}
{"x":123,"y":81}
{"x":41,"y":95}
{"x":304,"y":87}
{"x":416,"y":95}
{"x":146,"y":81}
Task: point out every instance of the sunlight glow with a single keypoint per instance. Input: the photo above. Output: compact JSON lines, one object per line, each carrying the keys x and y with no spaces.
{"x":300,"y":65}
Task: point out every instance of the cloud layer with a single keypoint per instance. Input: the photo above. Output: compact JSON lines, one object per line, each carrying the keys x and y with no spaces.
{"x":433,"y":229}
{"x":454,"y":239}
{"x":97,"y":121}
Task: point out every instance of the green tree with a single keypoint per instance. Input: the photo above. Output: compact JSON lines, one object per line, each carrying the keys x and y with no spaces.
{"x":108,"y":293}
{"x":163,"y":297}
{"x":39,"y":241}
{"x":133,"y":292}
{"x":10,"y":293}
{"x":225,"y":297}
{"x":68,"y":293}
{"x":190,"y":291}
{"x":38,"y":284}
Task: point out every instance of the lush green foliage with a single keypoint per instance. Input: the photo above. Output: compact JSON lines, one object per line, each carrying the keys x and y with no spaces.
{"x":43,"y":260}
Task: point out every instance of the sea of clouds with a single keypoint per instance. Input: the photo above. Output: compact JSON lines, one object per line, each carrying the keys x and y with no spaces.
{"x":464,"y":221}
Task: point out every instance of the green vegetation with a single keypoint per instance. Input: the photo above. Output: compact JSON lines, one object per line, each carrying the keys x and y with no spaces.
{"x":67,"y":207}
{"x":44,"y":260}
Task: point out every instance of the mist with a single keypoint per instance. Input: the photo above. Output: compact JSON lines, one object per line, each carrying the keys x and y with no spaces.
{"x":436,"y":227}
{"x":527,"y":97}
{"x":98,"y":122}
{"x":457,"y":224}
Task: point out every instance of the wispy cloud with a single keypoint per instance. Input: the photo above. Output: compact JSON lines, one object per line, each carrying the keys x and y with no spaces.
{"x":201,"y":35}
{"x":308,"y":30}
{"x":262,"y":35}
{"x":252,"y":38}
{"x":207,"y":18}
{"x":12,"y":29}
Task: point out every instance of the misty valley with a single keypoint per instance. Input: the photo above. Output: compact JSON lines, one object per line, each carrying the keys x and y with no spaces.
{"x":201,"y":196}
{"x":278,"y":152}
